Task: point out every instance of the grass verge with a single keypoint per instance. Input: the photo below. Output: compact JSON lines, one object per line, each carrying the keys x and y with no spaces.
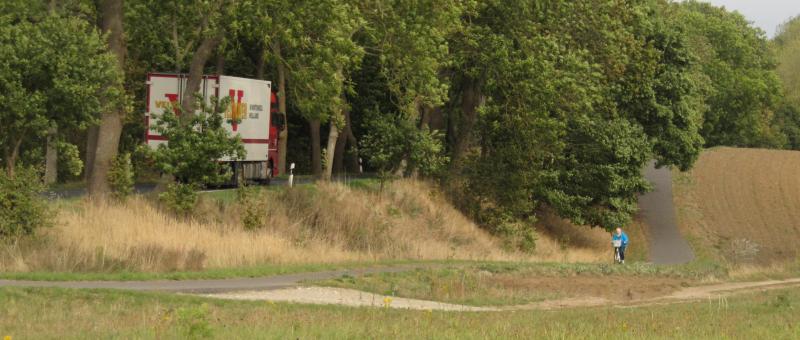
{"x":693,"y":271}
{"x":212,"y":274}
{"x":69,"y":314}
{"x":499,"y":284}
{"x":309,"y":224}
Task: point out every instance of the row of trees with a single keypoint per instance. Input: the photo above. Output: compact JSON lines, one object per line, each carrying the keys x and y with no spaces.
{"x":515,"y":105}
{"x":787,"y":47}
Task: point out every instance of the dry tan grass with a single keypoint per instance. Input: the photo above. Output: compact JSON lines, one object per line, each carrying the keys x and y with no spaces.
{"x":327,"y":223}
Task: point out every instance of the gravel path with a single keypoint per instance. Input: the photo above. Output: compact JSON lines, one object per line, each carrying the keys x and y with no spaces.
{"x":344,"y":297}
{"x":355,"y":298}
{"x":667,"y":245}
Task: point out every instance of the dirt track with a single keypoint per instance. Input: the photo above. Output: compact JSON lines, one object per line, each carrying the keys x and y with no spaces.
{"x":286,"y":288}
{"x":349,"y":297}
{"x":667,"y":245}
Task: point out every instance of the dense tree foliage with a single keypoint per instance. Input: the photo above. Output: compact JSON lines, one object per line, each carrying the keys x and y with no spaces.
{"x":54,"y":72}
{"x":572,"y":115}
{"x":745,"y":90}
{"x":518,"y":106}
{"x":787,"y":48}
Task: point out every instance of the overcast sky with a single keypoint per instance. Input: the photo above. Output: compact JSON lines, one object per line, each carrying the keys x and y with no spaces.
{"x":766,"y":14}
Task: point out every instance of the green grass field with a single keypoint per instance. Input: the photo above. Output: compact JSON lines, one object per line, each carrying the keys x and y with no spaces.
{"x":65,"y":314}
{"x":442,"y":268}
{"x":222,"y":273}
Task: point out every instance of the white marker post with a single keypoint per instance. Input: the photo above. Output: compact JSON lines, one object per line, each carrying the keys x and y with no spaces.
{"x":291,"y":175}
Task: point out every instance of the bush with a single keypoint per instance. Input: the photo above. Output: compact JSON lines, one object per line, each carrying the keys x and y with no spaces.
{"x":253,"y":214}
{"x":194,"y":146}
{"x":22,"y":207}
{"x":179,"y":198}
{"x":69,"y":159}
{"x":193,"y":322}
{"x":516,"y":234}
{"x":396,"y":144}
{"x":120,"y":177}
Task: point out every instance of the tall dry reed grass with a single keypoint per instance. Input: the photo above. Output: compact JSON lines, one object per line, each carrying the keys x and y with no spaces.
{"x":327,"y":223}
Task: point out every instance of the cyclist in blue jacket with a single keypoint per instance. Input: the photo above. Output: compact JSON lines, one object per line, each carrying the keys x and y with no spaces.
{"x":621,"y":236}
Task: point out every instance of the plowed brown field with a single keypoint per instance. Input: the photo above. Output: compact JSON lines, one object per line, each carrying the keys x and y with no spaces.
{"x":741,"y":205}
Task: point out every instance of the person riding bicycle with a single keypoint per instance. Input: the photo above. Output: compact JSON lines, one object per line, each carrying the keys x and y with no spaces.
{"x":620,"y":238}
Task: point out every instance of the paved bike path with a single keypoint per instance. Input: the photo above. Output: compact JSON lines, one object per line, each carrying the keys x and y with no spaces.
{"x":208,"y":286}
{"x":657,"y":210}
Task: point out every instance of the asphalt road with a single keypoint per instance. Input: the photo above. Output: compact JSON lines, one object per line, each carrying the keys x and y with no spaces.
{"x":208,"y":286}
{"x":657,"y":210}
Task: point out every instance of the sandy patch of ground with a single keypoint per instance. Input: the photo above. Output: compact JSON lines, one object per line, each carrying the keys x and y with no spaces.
{"x":344,"y":297}
{"x":349,"y":297}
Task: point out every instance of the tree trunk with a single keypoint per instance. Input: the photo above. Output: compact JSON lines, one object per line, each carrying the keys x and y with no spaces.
{"x":177,"y":45}
{"x":107,"y":148}
{"x":110,"y":129}
{"x":471,"y":100}
{"x":195,"y":78}
{"x":436,"y":119}
{"x":343,"y":137}
{"x":11,"y":158}
{"x":283,"y":135}
{"x":91,"y":148}
{"x":355,"y":166}
{"x":330,"y":150}
{"x":220,"y":63}
{"x":339,"y":155}
{"x":316,"y":161}
{"x":51,"y":157}
{"x":425,"y":118}
{"x":261,"y":62}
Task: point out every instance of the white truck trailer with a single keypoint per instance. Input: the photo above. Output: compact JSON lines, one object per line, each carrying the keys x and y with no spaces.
{"x":248,"y":115}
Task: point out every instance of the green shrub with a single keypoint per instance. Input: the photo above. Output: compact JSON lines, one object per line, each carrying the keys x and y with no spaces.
{"x":515,"y":233}
{"x":253,"y":212}
{"x":193,"y":322}
{"x":69,"y":159}
{"x":194,"y":145}
{"x":179,"y":198}
{"x":22,"y":207}
{"x":395,"y":144}
{"x":121,"y":177}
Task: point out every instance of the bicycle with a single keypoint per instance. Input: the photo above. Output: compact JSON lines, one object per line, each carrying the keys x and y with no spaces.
{"x":617,"y":245}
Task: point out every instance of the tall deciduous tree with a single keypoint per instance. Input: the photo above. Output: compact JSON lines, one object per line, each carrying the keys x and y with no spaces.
{"x":787,"y":47}
{"x":54,"y":72}
{"x":317,"y":48}
{"x":737,"y":59}
{"x":108,"y":132}
{"x":578,"y":97}
{"x":411,"y":39}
